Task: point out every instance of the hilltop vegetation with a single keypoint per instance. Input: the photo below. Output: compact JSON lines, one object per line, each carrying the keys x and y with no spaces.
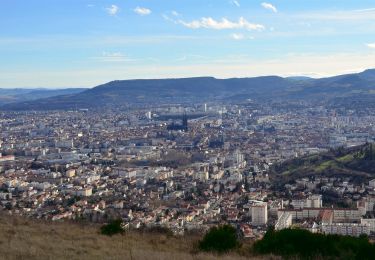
{"x":298,"y":243}
{"x":220,"y":239}
{"x":357,"y":162}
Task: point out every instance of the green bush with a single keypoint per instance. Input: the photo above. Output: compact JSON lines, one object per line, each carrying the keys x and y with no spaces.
{"x":219,"y":239}
{"x":112,"y":228}
{"x":304,"y":244}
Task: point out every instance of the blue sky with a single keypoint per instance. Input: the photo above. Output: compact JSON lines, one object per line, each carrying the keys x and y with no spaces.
{"x":82,"y":43}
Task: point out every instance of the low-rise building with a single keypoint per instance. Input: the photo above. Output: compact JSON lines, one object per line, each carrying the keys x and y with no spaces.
{"x":346,"y":229}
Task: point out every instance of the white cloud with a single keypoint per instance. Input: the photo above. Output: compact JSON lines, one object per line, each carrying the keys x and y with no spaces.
{"x":269,"y":7}
{"x":113,"y":10}
{"x":371,"y":45}
{"x":169,"y":19}
{"x":238,"y":36}
{"x":142,"y":11}
{"x":365,"y":10}
{"x":210,"y":23}
{"x":170,"y":16}
{"x":175,"y":13}
{"x":235,"y":2}
{"x":112,"y":57}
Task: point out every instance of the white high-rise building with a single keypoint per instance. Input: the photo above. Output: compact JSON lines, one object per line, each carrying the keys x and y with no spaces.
{"x":149,"y":115}
{"x":238,"y":157}
{"x":259,"y":214}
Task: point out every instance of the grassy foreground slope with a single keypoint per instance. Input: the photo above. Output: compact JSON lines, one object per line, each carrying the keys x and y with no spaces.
{"x":30,"y":239}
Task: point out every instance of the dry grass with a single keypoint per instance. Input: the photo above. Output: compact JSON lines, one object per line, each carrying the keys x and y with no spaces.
{"x":30,"y":239}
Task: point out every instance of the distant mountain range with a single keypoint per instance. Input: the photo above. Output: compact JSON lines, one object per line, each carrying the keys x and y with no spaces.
{"x":343,"y":88}
{"x":23,"y":94}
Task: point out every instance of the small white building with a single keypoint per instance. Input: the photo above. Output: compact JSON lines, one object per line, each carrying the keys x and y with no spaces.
{"x":70,"y":173}
{"x":370,"y":222}
{"x":84,"y":192}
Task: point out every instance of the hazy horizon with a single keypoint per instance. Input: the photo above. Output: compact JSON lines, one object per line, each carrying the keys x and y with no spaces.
{"x":88,"y":87}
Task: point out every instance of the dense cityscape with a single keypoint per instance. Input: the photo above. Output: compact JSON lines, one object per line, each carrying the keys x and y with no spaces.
{"x":186,"y":167}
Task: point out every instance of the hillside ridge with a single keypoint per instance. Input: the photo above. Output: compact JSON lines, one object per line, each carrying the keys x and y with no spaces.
{"x":203,"y":89}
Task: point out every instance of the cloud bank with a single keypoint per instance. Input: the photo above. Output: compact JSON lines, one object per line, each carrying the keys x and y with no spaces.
{"x":210,"y":23}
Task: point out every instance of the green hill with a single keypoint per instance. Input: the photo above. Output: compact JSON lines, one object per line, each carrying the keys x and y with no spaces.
{"x":356,"y":162}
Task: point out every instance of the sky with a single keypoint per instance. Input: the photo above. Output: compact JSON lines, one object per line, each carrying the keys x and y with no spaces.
{"x":84,"y":43}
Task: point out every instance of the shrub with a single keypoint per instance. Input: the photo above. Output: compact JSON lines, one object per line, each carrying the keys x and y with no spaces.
{"x":306,"y":245}
{"x":112,"y":228}
{"x":219,"y":239}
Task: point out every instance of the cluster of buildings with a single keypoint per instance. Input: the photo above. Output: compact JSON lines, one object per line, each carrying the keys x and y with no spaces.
{"x":184,"y":167}
{"x":328,"y":220}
